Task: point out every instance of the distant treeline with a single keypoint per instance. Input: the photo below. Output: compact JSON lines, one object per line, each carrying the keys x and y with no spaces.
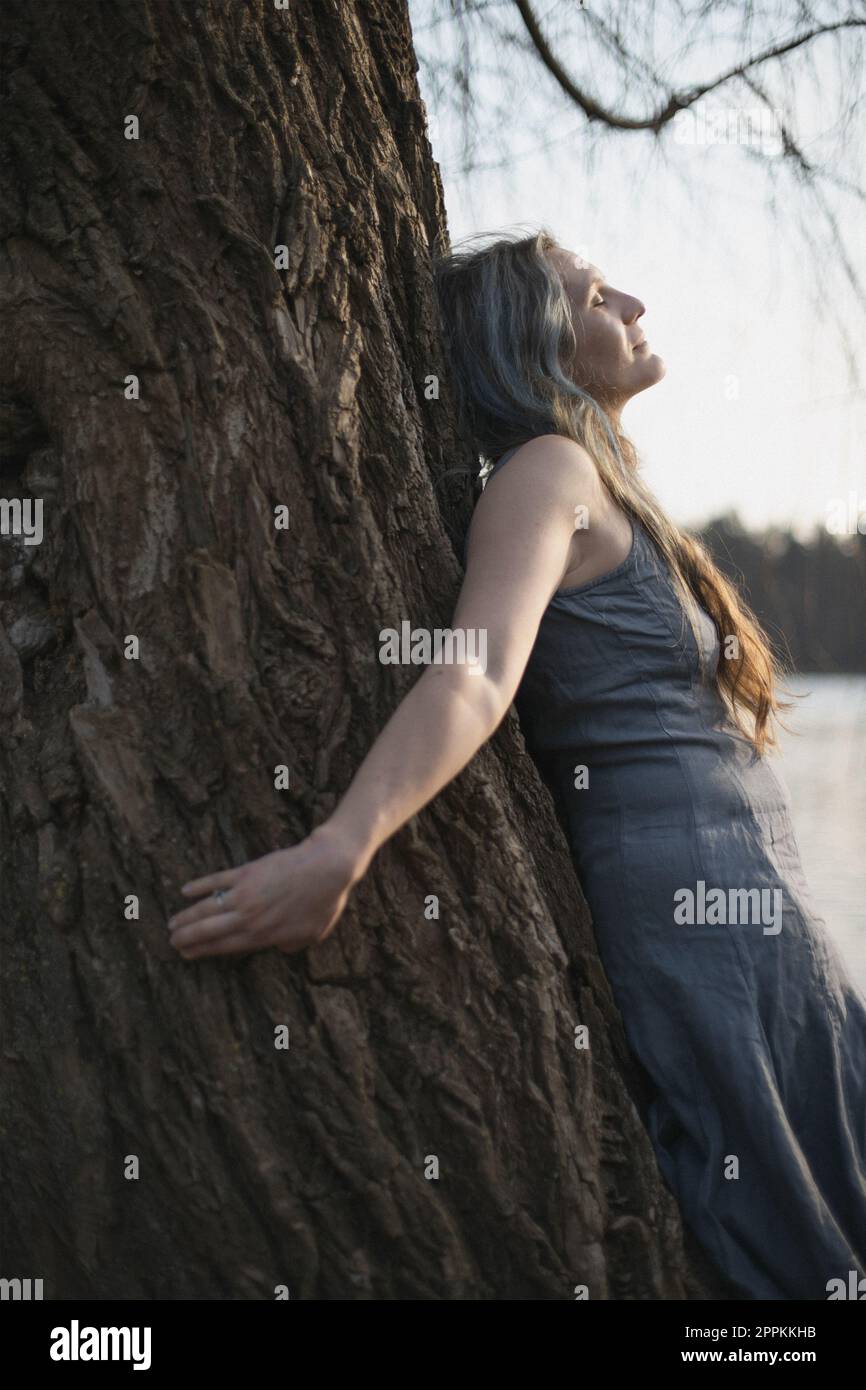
{"x":810,"y":597}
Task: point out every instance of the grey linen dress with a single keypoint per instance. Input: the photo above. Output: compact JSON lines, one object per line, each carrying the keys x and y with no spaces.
{"x":743,"y":1016}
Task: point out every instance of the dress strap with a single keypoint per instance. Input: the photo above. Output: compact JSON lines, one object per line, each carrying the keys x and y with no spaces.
{"x":503,"y":458}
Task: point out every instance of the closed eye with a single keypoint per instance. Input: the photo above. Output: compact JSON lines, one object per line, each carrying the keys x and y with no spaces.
{"x":598,"y":301}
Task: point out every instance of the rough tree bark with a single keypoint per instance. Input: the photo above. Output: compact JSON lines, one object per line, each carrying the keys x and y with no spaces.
{"x":127,"y":771}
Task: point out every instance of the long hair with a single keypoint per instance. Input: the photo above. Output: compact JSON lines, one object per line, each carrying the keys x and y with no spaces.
{"x":508,"y":329}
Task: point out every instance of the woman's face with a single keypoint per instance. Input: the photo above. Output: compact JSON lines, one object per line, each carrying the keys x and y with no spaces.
{"x":613,"y":361}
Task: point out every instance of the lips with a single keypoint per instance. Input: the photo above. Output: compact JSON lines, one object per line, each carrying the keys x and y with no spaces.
{"x":641,"y":344}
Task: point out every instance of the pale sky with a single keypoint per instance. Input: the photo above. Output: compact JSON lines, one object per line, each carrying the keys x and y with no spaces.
{"x":758,"y":412}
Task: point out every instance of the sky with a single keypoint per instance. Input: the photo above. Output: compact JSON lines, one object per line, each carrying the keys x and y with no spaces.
{"x":760,"y":411}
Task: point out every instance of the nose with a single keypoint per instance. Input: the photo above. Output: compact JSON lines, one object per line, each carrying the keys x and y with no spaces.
{"x":636,"y":309}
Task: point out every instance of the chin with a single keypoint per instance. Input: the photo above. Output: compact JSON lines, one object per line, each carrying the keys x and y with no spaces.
{"x":656,"y":369}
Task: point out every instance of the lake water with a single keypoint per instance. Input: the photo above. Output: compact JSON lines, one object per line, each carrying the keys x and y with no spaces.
{"x":823,"y":763}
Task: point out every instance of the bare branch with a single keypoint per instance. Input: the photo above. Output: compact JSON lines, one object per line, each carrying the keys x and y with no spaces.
{"x":677,"y":101}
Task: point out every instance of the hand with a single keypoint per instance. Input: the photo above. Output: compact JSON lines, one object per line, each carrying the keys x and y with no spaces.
{"x":290,"y":899}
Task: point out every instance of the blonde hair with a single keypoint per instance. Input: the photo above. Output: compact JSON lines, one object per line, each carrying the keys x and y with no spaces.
{"x":508,"y":329}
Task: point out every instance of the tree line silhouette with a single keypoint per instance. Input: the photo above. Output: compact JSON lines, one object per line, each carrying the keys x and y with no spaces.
{"x":810,"y":596}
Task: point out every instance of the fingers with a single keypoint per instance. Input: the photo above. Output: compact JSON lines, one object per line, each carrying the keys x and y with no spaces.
{"x":206,"y":929}
{"x":211,"y":925}
{"x":202,"y":910}
{"x":224,"y":878}
{"x":208,"y":907}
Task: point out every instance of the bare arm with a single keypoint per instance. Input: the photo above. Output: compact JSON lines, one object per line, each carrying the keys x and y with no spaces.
{"x":518,"y":552}
{"x":521,"y":544}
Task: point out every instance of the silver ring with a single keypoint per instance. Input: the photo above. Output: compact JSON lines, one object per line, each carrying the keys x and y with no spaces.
{"x":219,"y":895}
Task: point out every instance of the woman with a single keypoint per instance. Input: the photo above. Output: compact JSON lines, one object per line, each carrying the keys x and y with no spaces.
{"x":645,"y":691}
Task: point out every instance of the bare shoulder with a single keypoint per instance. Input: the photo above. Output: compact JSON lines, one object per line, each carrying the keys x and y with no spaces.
{"x":549,"y":474}
{"x":554,"y":458}
{"x":520,"y":547}
{"x":524,"y":518}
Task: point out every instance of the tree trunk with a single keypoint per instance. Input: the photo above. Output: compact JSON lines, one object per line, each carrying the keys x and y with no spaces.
{"x":167,"y":648}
